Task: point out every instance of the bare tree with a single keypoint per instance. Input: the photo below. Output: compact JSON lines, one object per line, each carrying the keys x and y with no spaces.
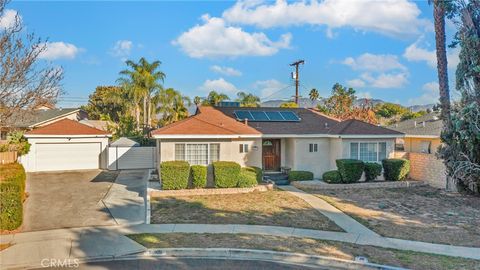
{"x":25,"y":81}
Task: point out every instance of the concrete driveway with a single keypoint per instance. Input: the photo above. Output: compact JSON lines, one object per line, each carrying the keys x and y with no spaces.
{"x":67,"y":199}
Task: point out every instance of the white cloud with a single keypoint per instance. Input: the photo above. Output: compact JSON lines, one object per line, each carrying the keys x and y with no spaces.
{"x":59,"y":50}
{"x":356,"y":83}
{"x":415,"y":53}
{"x":382,"y":80}
{"x":430,"y":94}
{"x":219,"y":85}
{"x":228,"y":71}
{"x":214,"y":38}
{"x":267,"y":88}
{"x":8,"y":18}
{"x":374,"y":62}
{"x":389,"y":17}
{"x":122,"y":49}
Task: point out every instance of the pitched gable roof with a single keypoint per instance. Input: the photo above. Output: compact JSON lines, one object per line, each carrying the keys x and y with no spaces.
{"x":36,"y":117}
{"x":432,"y":127}
{"x":66,"y":127}
{"x":357,"y":127}
{"x":207,"y":121}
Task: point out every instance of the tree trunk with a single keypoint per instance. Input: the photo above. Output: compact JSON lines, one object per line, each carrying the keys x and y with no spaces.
{"x":442,"y":68}
{"x":149,"y":113}
{"x":144,"y":111}
{"x":137,"y":116}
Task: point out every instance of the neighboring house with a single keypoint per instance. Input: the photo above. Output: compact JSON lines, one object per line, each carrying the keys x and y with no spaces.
{"x":422,"y":139}
{"x":66,"y":145}
{"x":422,"y":134}
{"x":41,"y":117}
{"x":272,"y":138}
{"x":98,"y":124}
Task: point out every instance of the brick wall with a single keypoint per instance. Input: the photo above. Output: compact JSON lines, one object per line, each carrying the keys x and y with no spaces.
{"x":428,"y":168}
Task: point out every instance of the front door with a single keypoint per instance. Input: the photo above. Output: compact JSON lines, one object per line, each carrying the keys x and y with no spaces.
{"x":271,"y":154}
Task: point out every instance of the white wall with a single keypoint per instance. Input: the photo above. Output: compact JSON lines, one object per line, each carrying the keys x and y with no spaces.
{"x":29,"y":162}
{"x":132,"y":158}
{"x":315,"y":162}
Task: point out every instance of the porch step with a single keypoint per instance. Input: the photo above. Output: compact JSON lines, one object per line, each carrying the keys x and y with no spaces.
{"x":278,"y":178}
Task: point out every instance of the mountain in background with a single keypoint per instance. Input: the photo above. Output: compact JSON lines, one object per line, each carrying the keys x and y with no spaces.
{"x":308,"y":103}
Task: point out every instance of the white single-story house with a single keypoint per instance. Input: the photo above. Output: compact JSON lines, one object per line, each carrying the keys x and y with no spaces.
{"x":273,"y":138}
{"x":66,"y":145}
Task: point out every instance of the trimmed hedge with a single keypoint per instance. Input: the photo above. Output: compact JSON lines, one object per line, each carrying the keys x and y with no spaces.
{"x":226,"y":174}
{"x":258,"y":173}
{"x":247,"y":178}
{"x":350,"y":169}
{"x":300,"y":176}
{"x":174,"y":174}
{"x":12,"y":194}
{"x":372,"y":171}
{"x":332,"y":177}
{"x":395,"y":169}
{"x":199,"y":176}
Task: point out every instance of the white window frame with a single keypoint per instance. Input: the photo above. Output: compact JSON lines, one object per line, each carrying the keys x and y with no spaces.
{"x":208,"y":151}
{"x":358,"y":152}
{"x":313,"y":147}
{"x":244,"y":148}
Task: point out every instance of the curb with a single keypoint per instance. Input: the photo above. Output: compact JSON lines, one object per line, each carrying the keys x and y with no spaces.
{"x":256,"y":255}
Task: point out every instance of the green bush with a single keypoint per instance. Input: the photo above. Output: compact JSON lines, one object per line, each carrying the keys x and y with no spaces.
{"x":226,"y":174}
{"x":395,"y":169}
{"x":247,"y":178}
{"x":332,"y":177}
{"x":372,"y":171}
{"x":174,"y":174}
{"x":300,"y":176}
{"x":350,"y":169}
{"x":199,"y":176}
{"x":12,"y":194}
{"x":258,"y":172}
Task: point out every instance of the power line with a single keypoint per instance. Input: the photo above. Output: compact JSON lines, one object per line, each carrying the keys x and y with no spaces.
{"x":276,"y":92}
{"x":297,"y":80}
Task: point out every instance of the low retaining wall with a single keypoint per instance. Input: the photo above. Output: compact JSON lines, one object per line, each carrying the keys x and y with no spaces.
{"x":209,"y":191}
{"x":426,"y":167}
{"x":319,"y":185}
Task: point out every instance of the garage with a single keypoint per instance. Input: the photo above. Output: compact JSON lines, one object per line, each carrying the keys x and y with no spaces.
{"x":66,"y":145}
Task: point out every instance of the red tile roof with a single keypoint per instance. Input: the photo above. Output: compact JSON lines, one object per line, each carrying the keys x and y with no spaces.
{"x":208,"y":121}
{"x":67,"y":127}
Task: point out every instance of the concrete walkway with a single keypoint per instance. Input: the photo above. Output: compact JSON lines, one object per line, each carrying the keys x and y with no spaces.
{"x":343,"y":220}
{"x":126,"y":198}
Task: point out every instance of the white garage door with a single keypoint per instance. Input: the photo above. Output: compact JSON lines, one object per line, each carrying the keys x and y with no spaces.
{"x":67,"y":156}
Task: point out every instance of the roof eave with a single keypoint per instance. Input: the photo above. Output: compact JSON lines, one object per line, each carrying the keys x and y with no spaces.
{"x":53,"y":118}
{"x":67,"y":136}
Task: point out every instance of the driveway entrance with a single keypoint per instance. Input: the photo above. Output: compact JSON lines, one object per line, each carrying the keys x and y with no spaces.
{"x":67,"y":199}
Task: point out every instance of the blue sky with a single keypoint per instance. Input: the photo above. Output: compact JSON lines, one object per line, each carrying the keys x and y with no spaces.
{"x":384,"y":49}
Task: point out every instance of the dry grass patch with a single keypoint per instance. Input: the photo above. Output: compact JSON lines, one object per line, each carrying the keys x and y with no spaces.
{"x":276,"y":208}
{"x":421,"y":213}
{"x":413,"y":260}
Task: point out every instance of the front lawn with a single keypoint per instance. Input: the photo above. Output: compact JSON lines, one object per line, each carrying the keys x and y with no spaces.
{"x":413,"y":260}
{"x":420,"y":213}
{"x":276,"y":208}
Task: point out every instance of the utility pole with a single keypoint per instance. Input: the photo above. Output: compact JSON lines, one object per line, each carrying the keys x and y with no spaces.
{"x":296,"y":64}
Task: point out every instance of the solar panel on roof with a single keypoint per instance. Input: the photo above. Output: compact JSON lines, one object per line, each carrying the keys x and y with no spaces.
{"x":290,"y":116}
{"x":259,"y":116}
{"x":274,"y":116}
{"x":242,"y":115}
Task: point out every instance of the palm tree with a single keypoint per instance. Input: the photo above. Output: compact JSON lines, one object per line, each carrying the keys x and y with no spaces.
{"x":248,"y":100}
{"x":197,"y":100}
{"x":314,"y":95}
{"x":439,"y":12}
{"x":143,"y":80}
{"x":173,"y":106}
{"x":214,"y":98}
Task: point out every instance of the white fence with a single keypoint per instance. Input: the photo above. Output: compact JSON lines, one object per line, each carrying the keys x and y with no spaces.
{"x":120,"y":158}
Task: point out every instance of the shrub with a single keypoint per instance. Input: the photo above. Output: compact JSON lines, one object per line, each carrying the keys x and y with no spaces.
{"x":226,"y":174}
{"x":199,"y":176}
{"x":372,"y":171}
{"x":350,"y":169}
{"x":12,"y":194}
{"x":300,"y":176}
{"x":395,"y":169}
{"x":258,"y":172}
{"x":332,"y":177}
{"x":247,"y":178}
{"x":174,"y":174}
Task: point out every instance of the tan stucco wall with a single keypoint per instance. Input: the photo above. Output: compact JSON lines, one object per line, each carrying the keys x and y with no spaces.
{"x":415,"y":144}
{"x":229,"y":150}
{"x":426,"y":167}
{"x":316,"y":162}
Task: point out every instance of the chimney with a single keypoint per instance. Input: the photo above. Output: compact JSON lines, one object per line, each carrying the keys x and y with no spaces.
{"x":326,"y":125}
{"x":245,"y":121}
